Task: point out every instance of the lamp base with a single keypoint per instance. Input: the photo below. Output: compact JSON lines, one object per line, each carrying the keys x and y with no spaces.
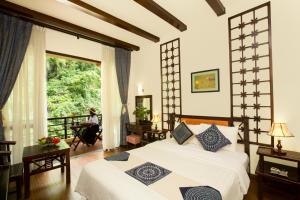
{"x":278,"y":151}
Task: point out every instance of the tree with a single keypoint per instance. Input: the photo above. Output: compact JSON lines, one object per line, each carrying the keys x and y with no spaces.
{"x":73,"y":87}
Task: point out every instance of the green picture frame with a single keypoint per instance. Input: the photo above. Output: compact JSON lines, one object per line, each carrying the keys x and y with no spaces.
{"x":205,"y":81}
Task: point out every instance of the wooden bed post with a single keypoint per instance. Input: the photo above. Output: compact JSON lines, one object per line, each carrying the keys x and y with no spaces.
{"x":172,"y":121}
{"x":247,"y":139}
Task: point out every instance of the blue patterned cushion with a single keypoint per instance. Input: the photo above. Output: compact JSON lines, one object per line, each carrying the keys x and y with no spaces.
{"x":181,"y":133}
{"x":212,"y":139}
{"x":148,"y":173}
{"x":123,"y":156}
{"x":200,"y":193}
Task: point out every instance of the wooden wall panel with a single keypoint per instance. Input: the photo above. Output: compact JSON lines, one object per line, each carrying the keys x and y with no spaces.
{"x":250,"y":48}
{"x":170,"y":80}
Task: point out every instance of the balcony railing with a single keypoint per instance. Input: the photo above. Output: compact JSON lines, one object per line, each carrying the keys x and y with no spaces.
{"x":60,"y":126}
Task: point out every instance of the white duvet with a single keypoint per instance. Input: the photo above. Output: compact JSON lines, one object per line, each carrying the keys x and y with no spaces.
{"x":224,"y":171}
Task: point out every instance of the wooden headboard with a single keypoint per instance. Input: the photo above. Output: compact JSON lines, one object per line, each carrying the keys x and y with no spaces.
{"x":204,"y":121}
{"x":243,"y":124}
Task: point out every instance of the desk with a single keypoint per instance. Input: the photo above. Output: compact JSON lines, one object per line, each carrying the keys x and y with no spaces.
{"x":138,"y":129}
{"x":78,"y":127}
{"x":39,"y":158}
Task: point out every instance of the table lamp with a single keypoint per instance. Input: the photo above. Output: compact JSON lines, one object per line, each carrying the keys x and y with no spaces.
{"x":279,"y":130}
{"x":156,"y":120}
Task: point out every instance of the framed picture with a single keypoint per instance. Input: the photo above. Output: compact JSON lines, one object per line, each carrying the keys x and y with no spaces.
{"x":205,"y":81}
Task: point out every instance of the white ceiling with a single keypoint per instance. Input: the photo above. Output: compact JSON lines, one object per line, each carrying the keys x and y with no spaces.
{"x":127,"y":10}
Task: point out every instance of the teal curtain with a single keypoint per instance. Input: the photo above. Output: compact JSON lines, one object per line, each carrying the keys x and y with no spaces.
{"x":123,"y":61}
{"x":14,"y":37}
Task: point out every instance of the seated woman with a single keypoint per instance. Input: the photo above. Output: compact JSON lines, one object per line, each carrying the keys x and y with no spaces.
{"x":89,"y":134}
{"x":92,"y":119}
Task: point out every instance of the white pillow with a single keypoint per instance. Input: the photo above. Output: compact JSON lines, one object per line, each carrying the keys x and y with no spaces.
{"x":196,"y":129}
{"x":231,"y":133}
{"x":168,"y":135}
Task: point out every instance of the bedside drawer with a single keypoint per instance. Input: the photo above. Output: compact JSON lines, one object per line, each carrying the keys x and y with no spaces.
{"x":264,"y":169}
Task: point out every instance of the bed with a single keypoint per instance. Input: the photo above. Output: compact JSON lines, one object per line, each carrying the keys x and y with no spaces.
{"x":181,"y":168}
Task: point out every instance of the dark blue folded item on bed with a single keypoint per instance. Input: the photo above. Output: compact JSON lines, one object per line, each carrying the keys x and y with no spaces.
{"x":148,"y":173}
{"x":200,"y":193}
{"x":124,"y":156}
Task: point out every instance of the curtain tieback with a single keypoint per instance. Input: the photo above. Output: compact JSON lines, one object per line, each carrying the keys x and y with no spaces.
{"x":1,"y":118}
{"x":124,"y":108}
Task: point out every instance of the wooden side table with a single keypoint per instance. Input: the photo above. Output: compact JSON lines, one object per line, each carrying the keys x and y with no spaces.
{"x":42,"y":159}
{"x":138,"y":129}
{"x":263,"y":170}
{"x":154,"y":135}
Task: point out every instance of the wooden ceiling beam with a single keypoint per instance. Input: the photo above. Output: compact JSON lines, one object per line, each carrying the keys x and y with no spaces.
{"x":217,"y":6}
{"x":162,"y":13}
{"x":62,"y":26}
{"x":100,"y":14}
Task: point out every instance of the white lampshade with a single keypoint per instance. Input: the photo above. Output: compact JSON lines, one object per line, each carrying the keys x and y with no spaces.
{"x":156,"y":118}
{"x":280,"y":130}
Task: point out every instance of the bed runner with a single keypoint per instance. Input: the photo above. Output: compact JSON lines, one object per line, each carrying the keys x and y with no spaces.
{"x":168,"y":184}
{"x":200,"y":193}
{"x":148,"y":173}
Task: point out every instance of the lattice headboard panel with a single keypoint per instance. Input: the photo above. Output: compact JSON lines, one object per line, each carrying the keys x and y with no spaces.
{"x":251,"y":70}
{"x":170,"y":80}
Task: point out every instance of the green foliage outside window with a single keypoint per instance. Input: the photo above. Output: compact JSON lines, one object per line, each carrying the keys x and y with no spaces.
{"x":73,"y":87}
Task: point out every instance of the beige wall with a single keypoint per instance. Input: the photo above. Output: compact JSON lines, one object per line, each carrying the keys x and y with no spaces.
{"x":68,"y":44}
{"x":205,"y":46}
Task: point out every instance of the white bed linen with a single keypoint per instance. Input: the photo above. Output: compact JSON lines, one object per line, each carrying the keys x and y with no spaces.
{"x":223,"y":170}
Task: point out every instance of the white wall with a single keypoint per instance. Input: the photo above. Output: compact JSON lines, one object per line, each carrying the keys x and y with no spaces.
{"x":205,"y":46}
{"x":68,"y":44}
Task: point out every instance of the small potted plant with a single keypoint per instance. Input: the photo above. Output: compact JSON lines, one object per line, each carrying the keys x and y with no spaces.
{"x":141,"y":113}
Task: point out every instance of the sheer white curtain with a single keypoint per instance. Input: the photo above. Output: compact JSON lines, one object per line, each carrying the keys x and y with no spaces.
{"x":25,"y":113}
{"x":110,"y":100}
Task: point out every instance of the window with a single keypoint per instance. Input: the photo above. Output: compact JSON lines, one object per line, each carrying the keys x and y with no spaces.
{"x":73,"y":86}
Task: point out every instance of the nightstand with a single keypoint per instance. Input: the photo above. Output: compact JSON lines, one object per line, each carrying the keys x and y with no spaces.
{"x":154,"y":135}
{"x":265,"y":177}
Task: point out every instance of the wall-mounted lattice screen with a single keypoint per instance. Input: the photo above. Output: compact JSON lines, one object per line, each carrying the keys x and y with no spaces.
{"x":251,"y":70}
{"x":170,"y":80}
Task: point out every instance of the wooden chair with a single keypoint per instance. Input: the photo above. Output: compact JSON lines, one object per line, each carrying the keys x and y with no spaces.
{"x":76,"y":135}
{"x":4,"y":174}
{"x":15,"y":170}
{"x":91,"y":134}
{"x":80,"y":135}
